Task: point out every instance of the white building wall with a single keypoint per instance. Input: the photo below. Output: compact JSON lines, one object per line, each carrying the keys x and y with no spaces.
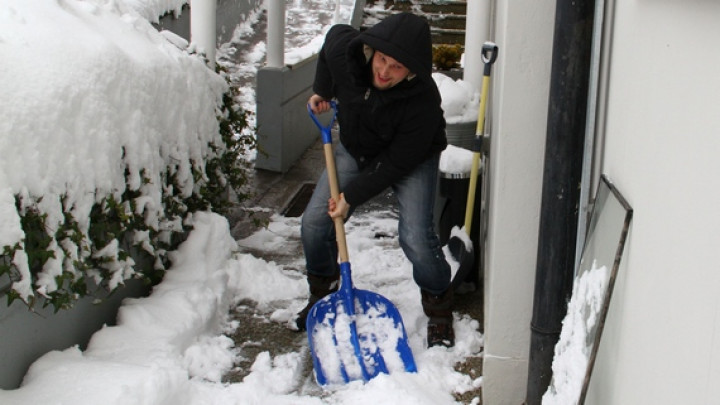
{"x":523,"y":31}
{"x":661,"y":343}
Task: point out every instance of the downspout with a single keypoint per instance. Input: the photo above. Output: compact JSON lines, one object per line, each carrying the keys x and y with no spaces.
{"x":561,"y":186}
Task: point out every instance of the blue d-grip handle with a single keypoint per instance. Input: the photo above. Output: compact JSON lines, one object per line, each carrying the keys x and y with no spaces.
{"x":325,"y":130}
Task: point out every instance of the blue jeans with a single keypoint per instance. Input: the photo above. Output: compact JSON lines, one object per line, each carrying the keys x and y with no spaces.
{"x":415,"y":195}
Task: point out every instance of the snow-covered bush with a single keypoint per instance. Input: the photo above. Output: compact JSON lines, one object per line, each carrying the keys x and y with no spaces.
{"x":111,"y":137}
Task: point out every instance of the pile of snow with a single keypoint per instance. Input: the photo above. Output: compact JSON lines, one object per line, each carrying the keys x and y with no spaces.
{"x":460,"y":99}
{"x":169,"y":348}
{"x":90,"y":90}
{"x":152,"y":10}
{"x":456,"y":160}
{"x":577,"y":337}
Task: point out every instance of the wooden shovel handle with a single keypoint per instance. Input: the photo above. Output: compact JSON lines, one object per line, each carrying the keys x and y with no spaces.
{"x":335,"y":194}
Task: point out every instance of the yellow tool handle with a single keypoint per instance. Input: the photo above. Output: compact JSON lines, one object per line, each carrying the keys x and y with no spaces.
{"x":480,"y":129}
{"x":489,"y":55}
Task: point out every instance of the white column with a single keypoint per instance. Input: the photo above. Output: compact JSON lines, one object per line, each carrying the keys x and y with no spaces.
{"x":202,"y":28}
{"x":523,"y":31}
{"x":275,"y":33}
{"x":477,"y":31}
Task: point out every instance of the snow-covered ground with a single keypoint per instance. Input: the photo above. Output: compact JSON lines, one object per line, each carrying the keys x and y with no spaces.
{"x":82,"y":76}
{"x":170,"y":348}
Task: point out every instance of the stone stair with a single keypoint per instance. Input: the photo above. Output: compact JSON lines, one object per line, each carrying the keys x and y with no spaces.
{"x":446,"y":17}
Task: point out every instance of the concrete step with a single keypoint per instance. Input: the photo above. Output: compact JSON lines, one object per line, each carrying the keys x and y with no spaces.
{"x":424,"y":6}
{"x":436,"y":20}
{"x":446,"y":17}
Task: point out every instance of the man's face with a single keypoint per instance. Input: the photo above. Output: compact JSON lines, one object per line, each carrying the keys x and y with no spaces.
{"x":387,"y":72}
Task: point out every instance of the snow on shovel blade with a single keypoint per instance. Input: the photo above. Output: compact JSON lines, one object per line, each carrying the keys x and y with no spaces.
{"x":348,"y":347}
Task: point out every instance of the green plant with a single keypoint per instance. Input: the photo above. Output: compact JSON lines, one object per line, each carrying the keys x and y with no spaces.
{"x":227,"y":168}
{"x":447,"y":57}
{"x":120,"y":240}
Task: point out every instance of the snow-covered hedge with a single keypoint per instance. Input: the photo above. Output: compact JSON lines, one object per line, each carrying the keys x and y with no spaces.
{"x":111,"y":136}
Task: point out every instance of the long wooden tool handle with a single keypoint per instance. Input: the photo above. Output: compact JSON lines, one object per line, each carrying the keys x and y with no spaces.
{"x":489,"y":55}
{"x":335,"y":194}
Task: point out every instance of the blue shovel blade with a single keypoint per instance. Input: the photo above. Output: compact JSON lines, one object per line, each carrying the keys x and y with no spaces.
{"x":347,"y":348}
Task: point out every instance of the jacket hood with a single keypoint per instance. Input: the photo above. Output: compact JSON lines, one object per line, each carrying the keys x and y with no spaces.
{"x":405,"y":37}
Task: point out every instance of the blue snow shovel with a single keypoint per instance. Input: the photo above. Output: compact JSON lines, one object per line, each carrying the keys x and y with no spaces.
{"x":353,"y":334}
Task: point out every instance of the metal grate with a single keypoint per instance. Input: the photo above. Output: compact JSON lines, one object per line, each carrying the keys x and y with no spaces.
{"x":299,"y":201}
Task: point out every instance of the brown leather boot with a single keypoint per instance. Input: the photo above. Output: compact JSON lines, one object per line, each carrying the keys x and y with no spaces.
{"x":438,"y":309}
{"x":320,"y":286}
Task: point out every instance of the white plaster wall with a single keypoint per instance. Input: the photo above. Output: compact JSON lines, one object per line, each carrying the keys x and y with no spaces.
{"x":661,"y":343}
{"x":521,"y":76}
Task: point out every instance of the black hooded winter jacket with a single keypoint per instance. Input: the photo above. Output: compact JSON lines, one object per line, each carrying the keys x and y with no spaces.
{"x":388,"y":132}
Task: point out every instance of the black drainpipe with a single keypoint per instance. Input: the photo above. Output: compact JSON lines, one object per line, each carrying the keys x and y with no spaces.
{"x":561,"y":186}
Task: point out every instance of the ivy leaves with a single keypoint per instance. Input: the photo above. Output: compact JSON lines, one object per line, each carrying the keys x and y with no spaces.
{"x":120,"y":241}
